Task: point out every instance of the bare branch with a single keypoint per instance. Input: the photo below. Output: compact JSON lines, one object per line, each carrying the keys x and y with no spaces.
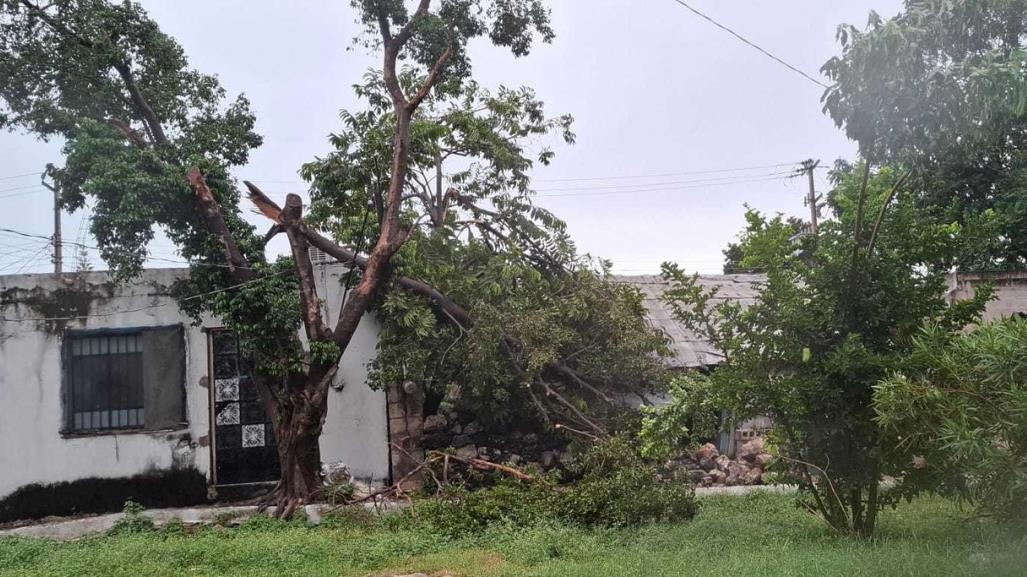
{"x":310,"y":304}
{"x":237,"y":263}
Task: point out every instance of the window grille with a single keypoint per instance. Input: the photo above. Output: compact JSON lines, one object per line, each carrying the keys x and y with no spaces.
{"x":105,"y":382}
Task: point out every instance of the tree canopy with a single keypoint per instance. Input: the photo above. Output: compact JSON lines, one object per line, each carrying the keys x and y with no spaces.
{"x":941,"y":90}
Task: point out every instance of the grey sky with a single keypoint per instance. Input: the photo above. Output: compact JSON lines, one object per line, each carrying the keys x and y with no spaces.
{"x":654,"y":89}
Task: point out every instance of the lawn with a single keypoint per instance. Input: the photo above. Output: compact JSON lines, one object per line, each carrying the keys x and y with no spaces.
{"x":755,"y":536}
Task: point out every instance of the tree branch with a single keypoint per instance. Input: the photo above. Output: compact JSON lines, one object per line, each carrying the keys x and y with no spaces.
{"x":310,"y":304}
{"x":884,"y":208}
{"x":433,"y":78}
{"x":237,"y":263}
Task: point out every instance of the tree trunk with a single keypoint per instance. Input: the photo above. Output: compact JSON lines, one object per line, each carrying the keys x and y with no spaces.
{"x":297,"y":436}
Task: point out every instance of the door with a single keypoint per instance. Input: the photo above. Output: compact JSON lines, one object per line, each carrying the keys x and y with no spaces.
{"x":244,"y":443}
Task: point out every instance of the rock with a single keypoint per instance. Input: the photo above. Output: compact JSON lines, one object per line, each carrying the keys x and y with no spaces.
{"x":764,"y":459}
{"x":461,"y":441}
{"x":490,"y":454}
{"x":472,"y":429}
{"x":695,"y":475}
{"x":455,"y":428}
{"x":467,"y":452}
{"x":706,"y":481}
{"x":313,"y":514}
{"x":707,"y":451}
{"x":718,"y":476}
{"x":749,"y":450}
{"x":335,"y":472}
{"x":434,"y":423}
{"x":531,"y":438}
{"x":736,"y":472}
{"x":514,"y":459}
{"x":548,"y":459}
{"x":707,"y":464}
{"x":722,"y":462}
{"x":753,"y":476}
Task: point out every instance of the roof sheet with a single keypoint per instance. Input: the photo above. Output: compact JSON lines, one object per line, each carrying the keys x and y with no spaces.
{"x":689,"y":350}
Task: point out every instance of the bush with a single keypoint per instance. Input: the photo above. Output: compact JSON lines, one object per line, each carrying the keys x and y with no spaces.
{"x":615,"y":487}
{"x":960,"y":408}
{"x":459,"y":511}
{"x":133,"y":520}
{"x":610,"y":485}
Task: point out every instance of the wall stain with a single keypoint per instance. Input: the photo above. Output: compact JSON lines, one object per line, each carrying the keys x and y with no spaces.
{"x":75,"y":297}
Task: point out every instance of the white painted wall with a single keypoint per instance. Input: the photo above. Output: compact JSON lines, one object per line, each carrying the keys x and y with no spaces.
{"x":32,"y":450}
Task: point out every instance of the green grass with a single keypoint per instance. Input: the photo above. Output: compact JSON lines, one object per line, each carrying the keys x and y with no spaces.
{"x":755,"y":536}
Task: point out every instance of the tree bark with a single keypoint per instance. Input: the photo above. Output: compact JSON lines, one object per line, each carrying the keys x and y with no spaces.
{"x":297,"y":436}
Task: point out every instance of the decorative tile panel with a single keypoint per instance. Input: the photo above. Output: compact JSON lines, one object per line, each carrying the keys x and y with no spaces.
{"x":226,"y":390}
{"x":252,"y":436}
{"x":228,"y":414}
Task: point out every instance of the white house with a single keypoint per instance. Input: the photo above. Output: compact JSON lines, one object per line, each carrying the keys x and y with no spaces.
{"x":108,"y":391}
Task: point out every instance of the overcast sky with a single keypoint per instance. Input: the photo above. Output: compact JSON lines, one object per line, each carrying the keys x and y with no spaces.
{"x":661,"y":99}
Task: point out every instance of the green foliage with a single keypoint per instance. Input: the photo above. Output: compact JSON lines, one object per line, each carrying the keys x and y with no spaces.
{"x":833,"y":318}
{"x":609,"y":485}
{"x":338,"y":492}
{"x":942,"y":89}
{"x":484,"y":244}
{"x":959,"y":408}
{"x":689,"y":417}
{"x":752,"y":256}
{"x":451,"y":25}
{"x":132,"y":520}
{"x":462,"y":512}
{"x":615,"y":487}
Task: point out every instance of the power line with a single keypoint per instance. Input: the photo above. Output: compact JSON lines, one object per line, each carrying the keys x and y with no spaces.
{"x":674,"y":189}
{"x":686,"y":173}
{"x":14,"y":176}
{"x":27,"y":192}
{"x":670,"y":183}
{"x":21,"y":187}
{"x":752,"y":44}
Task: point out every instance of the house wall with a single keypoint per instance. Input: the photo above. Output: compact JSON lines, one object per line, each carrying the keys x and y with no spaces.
{"x":1010,"y":291}
{"x":32,"y":448}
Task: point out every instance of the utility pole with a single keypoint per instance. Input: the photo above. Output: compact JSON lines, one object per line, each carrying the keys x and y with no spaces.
{"x":808,"y":166}
{"x":58,"y":243}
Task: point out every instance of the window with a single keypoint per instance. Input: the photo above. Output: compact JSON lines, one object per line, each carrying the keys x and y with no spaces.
{"x":124,"y":379}
{"x":106,"y":382}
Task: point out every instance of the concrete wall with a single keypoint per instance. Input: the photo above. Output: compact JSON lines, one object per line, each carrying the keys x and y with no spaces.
{"x":32,"y":448}
{"x":1010,"y":291}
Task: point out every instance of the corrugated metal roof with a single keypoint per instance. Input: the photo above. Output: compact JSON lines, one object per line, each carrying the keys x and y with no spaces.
{"x":689,"y":349}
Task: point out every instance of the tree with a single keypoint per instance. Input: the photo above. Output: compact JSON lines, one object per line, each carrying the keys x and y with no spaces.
{"x":960,"y":408}
{"x":151,"y":141}
{"x":835,"y":316}
{"x":547,"y":337}
{"x":940,"y":90}
{"x":746,"y":256}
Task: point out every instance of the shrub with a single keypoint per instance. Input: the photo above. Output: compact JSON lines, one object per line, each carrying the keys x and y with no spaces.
{"x":460,"y":511}
{"x":609,"y":485}
{"x":960,"y":408}
{"x":615,"y":487}
{"x":132,"y":521}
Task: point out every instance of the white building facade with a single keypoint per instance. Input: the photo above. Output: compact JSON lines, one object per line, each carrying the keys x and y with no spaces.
{"x":103,"y":382}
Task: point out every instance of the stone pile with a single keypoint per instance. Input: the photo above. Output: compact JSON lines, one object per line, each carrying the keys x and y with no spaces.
{"x":471,"y":440}
{"x":706,"y":467}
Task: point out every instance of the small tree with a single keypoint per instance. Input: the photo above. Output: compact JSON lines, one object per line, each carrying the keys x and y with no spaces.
{"x":836,"y":314}
{"x":959,"y":408}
